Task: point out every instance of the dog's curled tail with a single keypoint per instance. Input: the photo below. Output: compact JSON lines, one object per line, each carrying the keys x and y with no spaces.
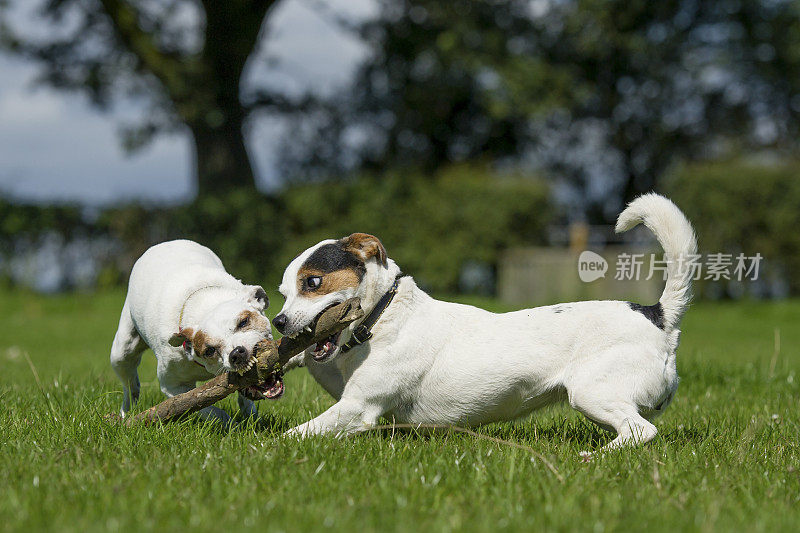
{"x":677,"y":238}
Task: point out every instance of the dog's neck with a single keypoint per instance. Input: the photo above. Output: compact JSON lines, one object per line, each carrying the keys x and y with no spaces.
{"x":408,"y":296}
{"x":378,"y":281}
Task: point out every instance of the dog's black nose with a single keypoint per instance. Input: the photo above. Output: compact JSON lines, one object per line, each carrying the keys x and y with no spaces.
{"x":238,"y":357}
{"x":280,"y":322}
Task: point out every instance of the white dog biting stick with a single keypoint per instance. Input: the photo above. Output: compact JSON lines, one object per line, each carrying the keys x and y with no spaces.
{"x":199,"y":321}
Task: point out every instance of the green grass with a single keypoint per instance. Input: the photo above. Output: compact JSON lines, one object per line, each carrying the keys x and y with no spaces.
{"x":726,"y":457}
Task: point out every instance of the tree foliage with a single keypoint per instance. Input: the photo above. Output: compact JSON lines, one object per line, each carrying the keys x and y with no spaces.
{"x":605,"y":94}
{"x":749,"y":206}
{"x":435,"y":231}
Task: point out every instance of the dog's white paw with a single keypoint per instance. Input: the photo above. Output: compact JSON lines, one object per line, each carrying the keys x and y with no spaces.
{"x":294,"y":433}
{"x":299,"y":432}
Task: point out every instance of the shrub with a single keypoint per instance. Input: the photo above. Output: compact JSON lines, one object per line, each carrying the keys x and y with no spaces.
{"x":431,"y":227}
{"x":31,"y":221}
{"x":748,"y":207}
{"x":245,"y":229}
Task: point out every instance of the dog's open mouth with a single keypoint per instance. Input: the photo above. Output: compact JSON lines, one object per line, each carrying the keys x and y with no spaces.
{"x":324,"y":349}
{"x":269,"y":389}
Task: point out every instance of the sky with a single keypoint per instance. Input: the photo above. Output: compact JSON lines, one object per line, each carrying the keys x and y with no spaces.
{"x":54,"y":147}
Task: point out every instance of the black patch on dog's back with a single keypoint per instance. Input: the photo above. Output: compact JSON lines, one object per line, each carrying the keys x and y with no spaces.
{"x":332,"y":257}
{"x":561,"y":308}
{"x":653,"y":313}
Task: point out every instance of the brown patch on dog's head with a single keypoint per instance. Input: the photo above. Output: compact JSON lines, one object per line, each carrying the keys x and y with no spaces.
{"x":252,"y":321}
{"x":366,"y":246}
{"x":337,"y":280}
{"x":334,"y":267}
{"x":202,"y":342}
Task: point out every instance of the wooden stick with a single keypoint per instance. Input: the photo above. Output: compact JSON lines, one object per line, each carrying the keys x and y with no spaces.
{"x":270,"y":355}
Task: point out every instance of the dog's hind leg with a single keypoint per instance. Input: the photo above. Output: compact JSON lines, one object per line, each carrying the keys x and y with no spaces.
{"x":126,"y":354}
{"x":603,"y":392}
{"x":623,"y":417}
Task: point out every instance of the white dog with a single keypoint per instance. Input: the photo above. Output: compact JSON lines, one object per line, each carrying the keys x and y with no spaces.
{"x":199,"y":321}
{"x":434,"y":362}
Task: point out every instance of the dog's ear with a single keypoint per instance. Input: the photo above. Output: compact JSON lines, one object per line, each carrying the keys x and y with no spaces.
{"x":366,"y":246}
{"x":258,"y":297}
{"x":183,"y":336}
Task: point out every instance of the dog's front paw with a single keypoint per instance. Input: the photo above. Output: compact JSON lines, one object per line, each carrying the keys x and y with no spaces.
{"x":298,"y":432}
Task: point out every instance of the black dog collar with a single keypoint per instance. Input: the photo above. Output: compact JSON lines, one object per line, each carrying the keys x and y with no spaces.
{"x":363,"y":331}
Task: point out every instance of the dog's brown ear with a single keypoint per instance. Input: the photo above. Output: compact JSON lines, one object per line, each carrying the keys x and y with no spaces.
{"x":184,"y":335}
{"x":366,"y":246}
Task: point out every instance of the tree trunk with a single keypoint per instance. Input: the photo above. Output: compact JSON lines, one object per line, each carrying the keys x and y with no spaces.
{"x":221,"y":160}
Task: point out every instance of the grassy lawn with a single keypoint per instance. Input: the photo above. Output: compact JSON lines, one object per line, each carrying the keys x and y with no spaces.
{"x":726,"y":457}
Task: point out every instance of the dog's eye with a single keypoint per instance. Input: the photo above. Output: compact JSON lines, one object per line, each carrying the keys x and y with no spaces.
{"x":313,"y":282}
{"x":243,"y":323}
{"x":210,"y":351}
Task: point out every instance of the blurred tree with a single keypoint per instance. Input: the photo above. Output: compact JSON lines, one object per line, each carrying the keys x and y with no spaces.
{"x":660,"y":81}
{"x":423,"y":97}
{"x":185,"y":58}
{"x":606,"y":94}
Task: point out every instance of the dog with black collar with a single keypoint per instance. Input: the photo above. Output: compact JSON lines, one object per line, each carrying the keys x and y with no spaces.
{"x":199,"y":321}
{"x":432,"y":362}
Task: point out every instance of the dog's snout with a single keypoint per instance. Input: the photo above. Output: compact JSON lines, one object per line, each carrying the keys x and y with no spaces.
{"x":238,"y":356}
{"x":280,"y":322}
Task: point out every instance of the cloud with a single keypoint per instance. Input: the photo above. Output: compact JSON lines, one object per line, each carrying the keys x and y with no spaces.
{"x":311,"y":51}
{"x":53,"y":146}
{"x":32,"y":109}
